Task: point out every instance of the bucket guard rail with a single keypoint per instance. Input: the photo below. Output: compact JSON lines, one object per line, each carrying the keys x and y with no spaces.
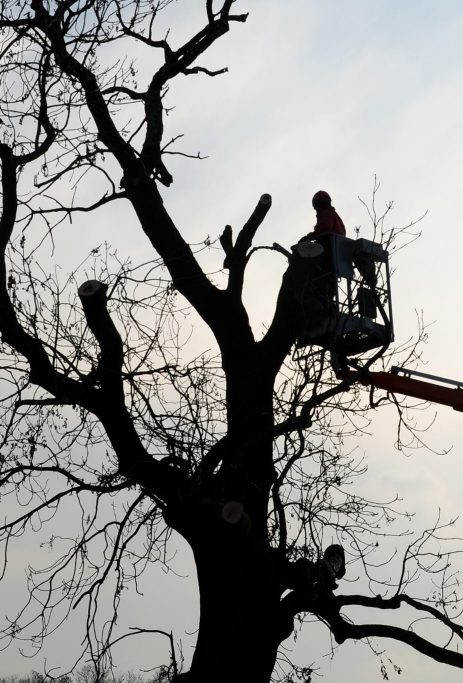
{"x":345,"y":297}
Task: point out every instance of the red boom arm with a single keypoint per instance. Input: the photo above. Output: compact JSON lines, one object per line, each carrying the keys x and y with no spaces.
{"x":425,"y":391}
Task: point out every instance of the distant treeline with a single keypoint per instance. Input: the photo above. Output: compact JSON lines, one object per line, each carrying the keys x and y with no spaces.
{"x":34,"y":677}
{"x":87,"y":675}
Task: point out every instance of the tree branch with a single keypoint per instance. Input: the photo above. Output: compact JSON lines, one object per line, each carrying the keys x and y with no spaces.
{"x":343,"y":630}
{"x":92,"y":295}
{"x":81,"y":484}
{"x":327,"y":608}
{"x":303,"y":420}
{"x":107,"y":130}
{"x":133,"y":94}
{"x":41,"y":370}
{"x":203,"y":70}
{"x":394,"y":603}
{"x":286,"y":322}
{"x":43,"y":121}
{"x":141,"y":190}
{"x":236,"y":256}
{"x":210,"y":11}
{"x":134,"y":461}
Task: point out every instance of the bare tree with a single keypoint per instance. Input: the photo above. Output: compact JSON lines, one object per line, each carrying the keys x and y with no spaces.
{"x":35,"y":677}
{"x":241,"y":454}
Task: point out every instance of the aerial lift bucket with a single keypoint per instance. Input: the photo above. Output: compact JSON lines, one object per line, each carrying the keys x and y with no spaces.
{"x":345,"y":299}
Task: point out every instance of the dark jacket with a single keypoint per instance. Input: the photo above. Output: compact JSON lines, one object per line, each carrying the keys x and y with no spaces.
{"x":328,"y":221}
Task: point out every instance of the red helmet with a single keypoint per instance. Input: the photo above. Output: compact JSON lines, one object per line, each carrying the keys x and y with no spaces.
{"x":321,"y":198}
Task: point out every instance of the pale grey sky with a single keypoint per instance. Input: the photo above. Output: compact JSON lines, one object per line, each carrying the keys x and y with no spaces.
{"x":321,"y":94}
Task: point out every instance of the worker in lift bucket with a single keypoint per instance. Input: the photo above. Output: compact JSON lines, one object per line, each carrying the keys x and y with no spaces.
{"x":328,"y":223}
{"x":328,"y":220}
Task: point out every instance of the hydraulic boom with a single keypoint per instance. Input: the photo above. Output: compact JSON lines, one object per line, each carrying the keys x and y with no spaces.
{"x":404,"y":384}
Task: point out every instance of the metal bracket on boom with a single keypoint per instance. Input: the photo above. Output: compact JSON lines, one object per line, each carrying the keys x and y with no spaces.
{"x":409,"y":373}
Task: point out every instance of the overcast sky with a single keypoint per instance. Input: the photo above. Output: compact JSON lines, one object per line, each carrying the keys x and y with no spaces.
{"x":324,"y":94}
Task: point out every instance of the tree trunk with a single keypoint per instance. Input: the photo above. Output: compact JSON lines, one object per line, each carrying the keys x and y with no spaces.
{"x":240,"y":577}
{"x":241,"y":625}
